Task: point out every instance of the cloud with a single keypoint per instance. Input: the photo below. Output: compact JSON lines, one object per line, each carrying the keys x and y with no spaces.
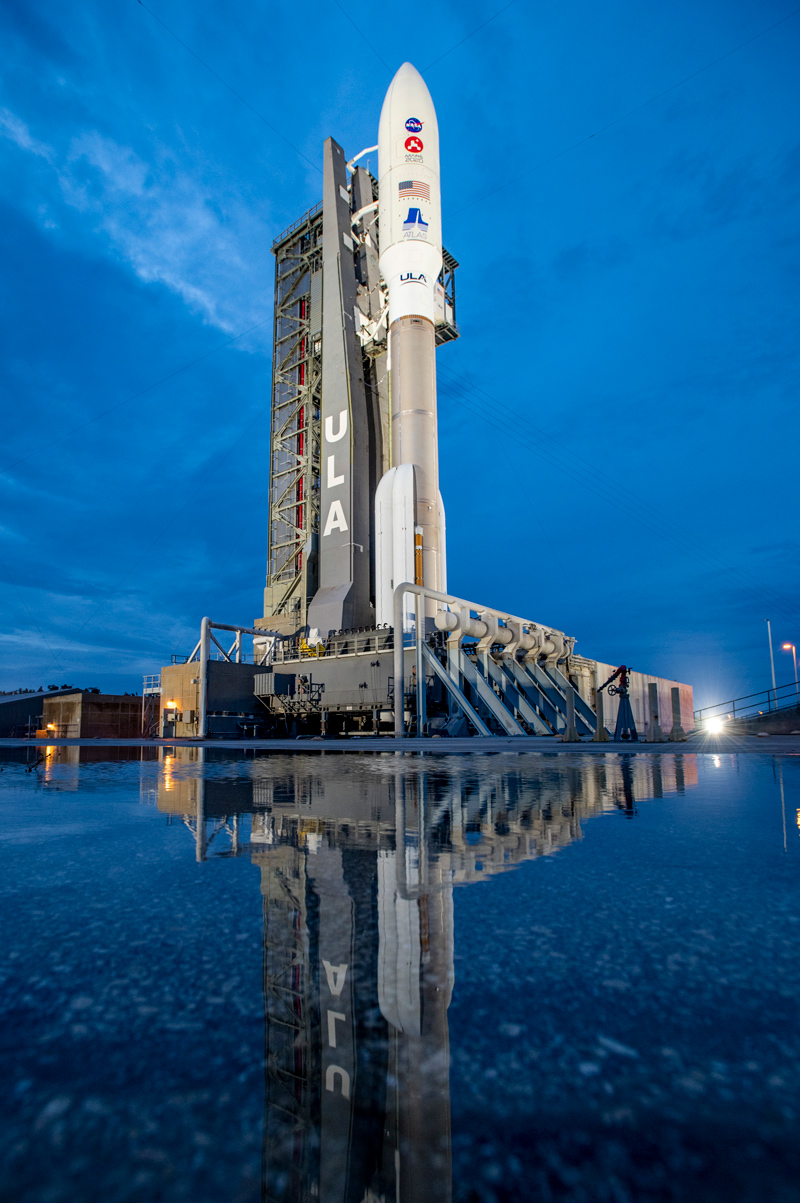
{"x":161,"y":221}
{"x":16,"y":131}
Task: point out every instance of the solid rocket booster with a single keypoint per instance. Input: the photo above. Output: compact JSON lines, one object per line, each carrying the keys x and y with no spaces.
{"x":409,"y":514}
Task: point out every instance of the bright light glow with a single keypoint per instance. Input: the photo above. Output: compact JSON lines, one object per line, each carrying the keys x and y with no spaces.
{"x":51,"y":726}
{"x":714,"y":726}
{"x":787,"y":647}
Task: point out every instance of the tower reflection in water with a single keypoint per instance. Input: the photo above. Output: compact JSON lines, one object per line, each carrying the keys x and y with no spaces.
{"x":358,"y":858}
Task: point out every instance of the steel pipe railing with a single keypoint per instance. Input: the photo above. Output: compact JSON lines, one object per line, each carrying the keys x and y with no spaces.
{"x":449,"y":599}
{"x":204,"y":647}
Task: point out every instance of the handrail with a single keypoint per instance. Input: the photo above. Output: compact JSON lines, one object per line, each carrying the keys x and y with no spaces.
{"x":768,"y":695}
{"x":297,"y":224}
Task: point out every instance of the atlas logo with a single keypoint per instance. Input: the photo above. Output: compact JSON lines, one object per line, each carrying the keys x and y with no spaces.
{"x":410,"y":278}
{"x":414,"y":125}
{"x":414,"y":226}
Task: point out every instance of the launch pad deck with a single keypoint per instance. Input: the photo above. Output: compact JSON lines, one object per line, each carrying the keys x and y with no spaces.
{"x":783,"y":745}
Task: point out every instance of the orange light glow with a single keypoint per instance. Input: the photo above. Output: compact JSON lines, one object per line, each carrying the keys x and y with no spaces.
{"x":787,"y":647}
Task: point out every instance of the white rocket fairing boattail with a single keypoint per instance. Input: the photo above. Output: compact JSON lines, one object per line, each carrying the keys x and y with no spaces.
{"x":409,"y":516}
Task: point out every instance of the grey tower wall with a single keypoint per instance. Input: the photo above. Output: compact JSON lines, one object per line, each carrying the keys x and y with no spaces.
{"x":376,"y":365}
{"x":343,"y":599}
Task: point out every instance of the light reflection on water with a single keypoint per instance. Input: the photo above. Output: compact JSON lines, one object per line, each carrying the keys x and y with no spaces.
{"x":375,"y":1073}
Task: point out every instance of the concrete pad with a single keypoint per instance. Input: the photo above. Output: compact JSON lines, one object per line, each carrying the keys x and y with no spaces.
{"x":785,"y":745}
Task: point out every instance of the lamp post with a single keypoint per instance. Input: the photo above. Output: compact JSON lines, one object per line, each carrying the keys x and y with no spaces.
{"x":772,"y":666}
{"x":790,"y":647}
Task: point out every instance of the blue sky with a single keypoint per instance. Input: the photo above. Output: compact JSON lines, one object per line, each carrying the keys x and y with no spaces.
{"x":619,"y":432}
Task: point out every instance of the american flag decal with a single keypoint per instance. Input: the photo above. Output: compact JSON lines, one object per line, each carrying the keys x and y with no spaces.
{"x":415,"y":188}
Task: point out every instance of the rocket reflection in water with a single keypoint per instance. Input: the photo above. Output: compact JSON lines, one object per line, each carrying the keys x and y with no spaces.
{"x":357,"y":873}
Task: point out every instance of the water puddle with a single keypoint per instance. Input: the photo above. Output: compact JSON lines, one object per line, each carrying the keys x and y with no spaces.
{"x":361,"y":978}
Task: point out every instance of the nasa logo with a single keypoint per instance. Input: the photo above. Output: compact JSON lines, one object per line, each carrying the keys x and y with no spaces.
{"x":413,"y":145}
{"x":414,"y":125}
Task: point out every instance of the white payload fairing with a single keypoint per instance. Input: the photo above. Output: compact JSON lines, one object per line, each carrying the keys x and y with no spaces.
{"x":409,"y":516}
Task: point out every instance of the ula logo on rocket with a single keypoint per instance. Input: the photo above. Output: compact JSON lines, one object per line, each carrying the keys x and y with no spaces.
{"x":414,"y":125}
{"x":410,"y":278}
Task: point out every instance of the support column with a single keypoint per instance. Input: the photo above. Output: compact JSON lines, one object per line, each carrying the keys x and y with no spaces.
{"x":419,"y":635}
{"x":677,"y":734}
{"x":654,"y":733}
{"x":600,"y":734}
{"x":202,"y":701}
{"x":398,"y":663}
{"x":570,"y":735}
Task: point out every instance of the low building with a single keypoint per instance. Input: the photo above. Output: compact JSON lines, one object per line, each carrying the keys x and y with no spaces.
{"x":21,"y":713}
{"x":83,"y":714}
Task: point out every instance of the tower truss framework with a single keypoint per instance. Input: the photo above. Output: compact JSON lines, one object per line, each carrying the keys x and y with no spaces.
{"x":295,"y":421}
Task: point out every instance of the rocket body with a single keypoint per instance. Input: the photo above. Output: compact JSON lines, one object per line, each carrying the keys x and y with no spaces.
{"x":410,"y":221}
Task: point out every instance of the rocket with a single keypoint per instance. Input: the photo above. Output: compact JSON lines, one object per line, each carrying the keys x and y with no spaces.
{"x":409,"y":515}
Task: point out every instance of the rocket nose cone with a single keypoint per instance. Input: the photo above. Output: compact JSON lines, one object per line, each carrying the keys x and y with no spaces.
{"x":407,"y":71}
{"x":406,"y":79}
{"x":408,"y":110}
